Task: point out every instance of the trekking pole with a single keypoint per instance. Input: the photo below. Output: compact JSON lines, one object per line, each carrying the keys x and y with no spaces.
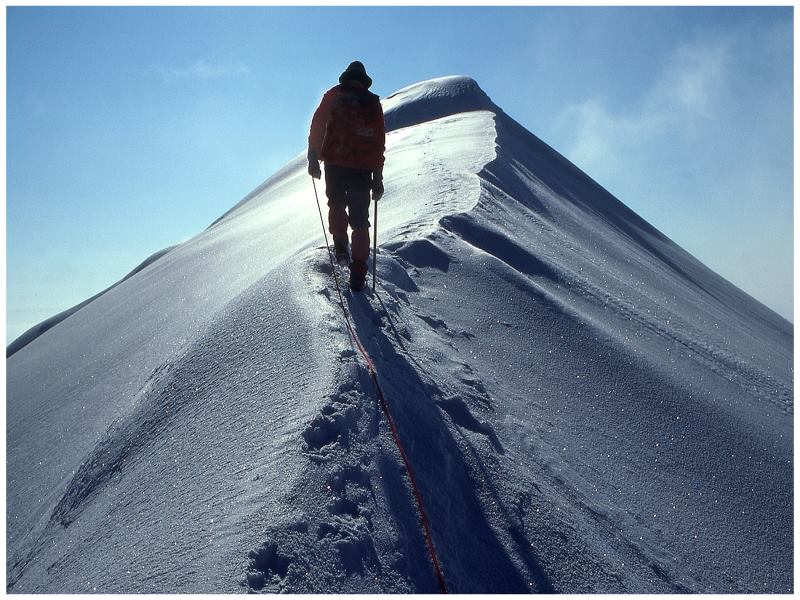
{"x":375,"y":247}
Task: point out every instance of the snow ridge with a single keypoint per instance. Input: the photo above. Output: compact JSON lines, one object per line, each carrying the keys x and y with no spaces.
{"x":587,"y":407}
{"x":434,"y":99}
{"x":37,"y":330}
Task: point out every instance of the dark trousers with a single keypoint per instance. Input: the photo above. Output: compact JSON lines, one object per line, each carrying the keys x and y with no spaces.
{"x":348,"y":192}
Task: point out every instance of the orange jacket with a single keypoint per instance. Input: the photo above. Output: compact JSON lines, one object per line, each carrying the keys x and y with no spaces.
{"x":348,"y":129}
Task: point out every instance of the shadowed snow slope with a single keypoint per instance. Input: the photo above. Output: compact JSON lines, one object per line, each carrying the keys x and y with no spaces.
{"x":586,"y":406}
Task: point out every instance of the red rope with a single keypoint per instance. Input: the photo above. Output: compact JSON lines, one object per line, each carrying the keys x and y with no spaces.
{"x":426,"y":530}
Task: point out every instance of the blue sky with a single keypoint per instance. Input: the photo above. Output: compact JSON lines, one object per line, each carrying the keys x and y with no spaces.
{"x":132,"y":129}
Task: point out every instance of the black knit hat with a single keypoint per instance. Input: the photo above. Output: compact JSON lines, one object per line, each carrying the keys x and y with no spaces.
{"x":356,"y":71}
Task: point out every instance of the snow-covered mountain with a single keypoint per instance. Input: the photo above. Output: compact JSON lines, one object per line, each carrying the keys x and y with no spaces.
{"x":586,"y":407}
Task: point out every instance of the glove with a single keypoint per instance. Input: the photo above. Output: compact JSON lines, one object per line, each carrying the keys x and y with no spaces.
{"x":377,"y":185}
{"x":377,"y":190}
{"x":313,"y":165}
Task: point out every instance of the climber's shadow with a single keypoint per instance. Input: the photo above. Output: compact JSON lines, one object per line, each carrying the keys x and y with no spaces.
{"x":473,"y":558}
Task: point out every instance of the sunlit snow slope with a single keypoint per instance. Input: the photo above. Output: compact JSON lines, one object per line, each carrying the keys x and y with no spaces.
{"x":586,"y":406}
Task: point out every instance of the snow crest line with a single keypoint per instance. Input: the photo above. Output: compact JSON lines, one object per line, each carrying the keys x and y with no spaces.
{"x":426,"y":531}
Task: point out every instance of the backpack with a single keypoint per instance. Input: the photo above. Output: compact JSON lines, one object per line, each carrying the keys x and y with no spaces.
{"x":354,"y":132}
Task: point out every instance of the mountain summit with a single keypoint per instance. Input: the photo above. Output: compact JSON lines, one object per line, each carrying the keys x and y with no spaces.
{"x":586,"y":406}
{"x":433,"y":99}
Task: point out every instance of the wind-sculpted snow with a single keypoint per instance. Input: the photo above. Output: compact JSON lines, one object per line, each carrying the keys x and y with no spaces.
{"x":587,"y":408}
{"x":37,"y":330}
{"x":431,"y":100}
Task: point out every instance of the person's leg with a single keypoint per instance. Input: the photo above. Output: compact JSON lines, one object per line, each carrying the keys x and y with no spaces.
{"x":336,"y":192}
{"x":358,"y":207}
{"x":337,"y":225}
{"x":360,"y":250}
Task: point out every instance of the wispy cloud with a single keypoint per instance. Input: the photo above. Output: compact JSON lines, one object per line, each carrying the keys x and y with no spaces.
{"x":685,"y":93}
{"x":692,"y":81}
{"x":200,"y":70}
{"x":705,"y":153}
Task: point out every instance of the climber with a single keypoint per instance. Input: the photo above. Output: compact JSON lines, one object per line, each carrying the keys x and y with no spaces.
{"x":348,"y":135}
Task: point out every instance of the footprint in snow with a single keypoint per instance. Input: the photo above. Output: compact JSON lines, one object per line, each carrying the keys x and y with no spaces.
{"x":267,"y":569}
{"x":332,"y":427}
{"x":349,"y":530}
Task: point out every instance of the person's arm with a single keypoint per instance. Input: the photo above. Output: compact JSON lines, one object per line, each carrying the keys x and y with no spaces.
{"x":319,"y":122}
